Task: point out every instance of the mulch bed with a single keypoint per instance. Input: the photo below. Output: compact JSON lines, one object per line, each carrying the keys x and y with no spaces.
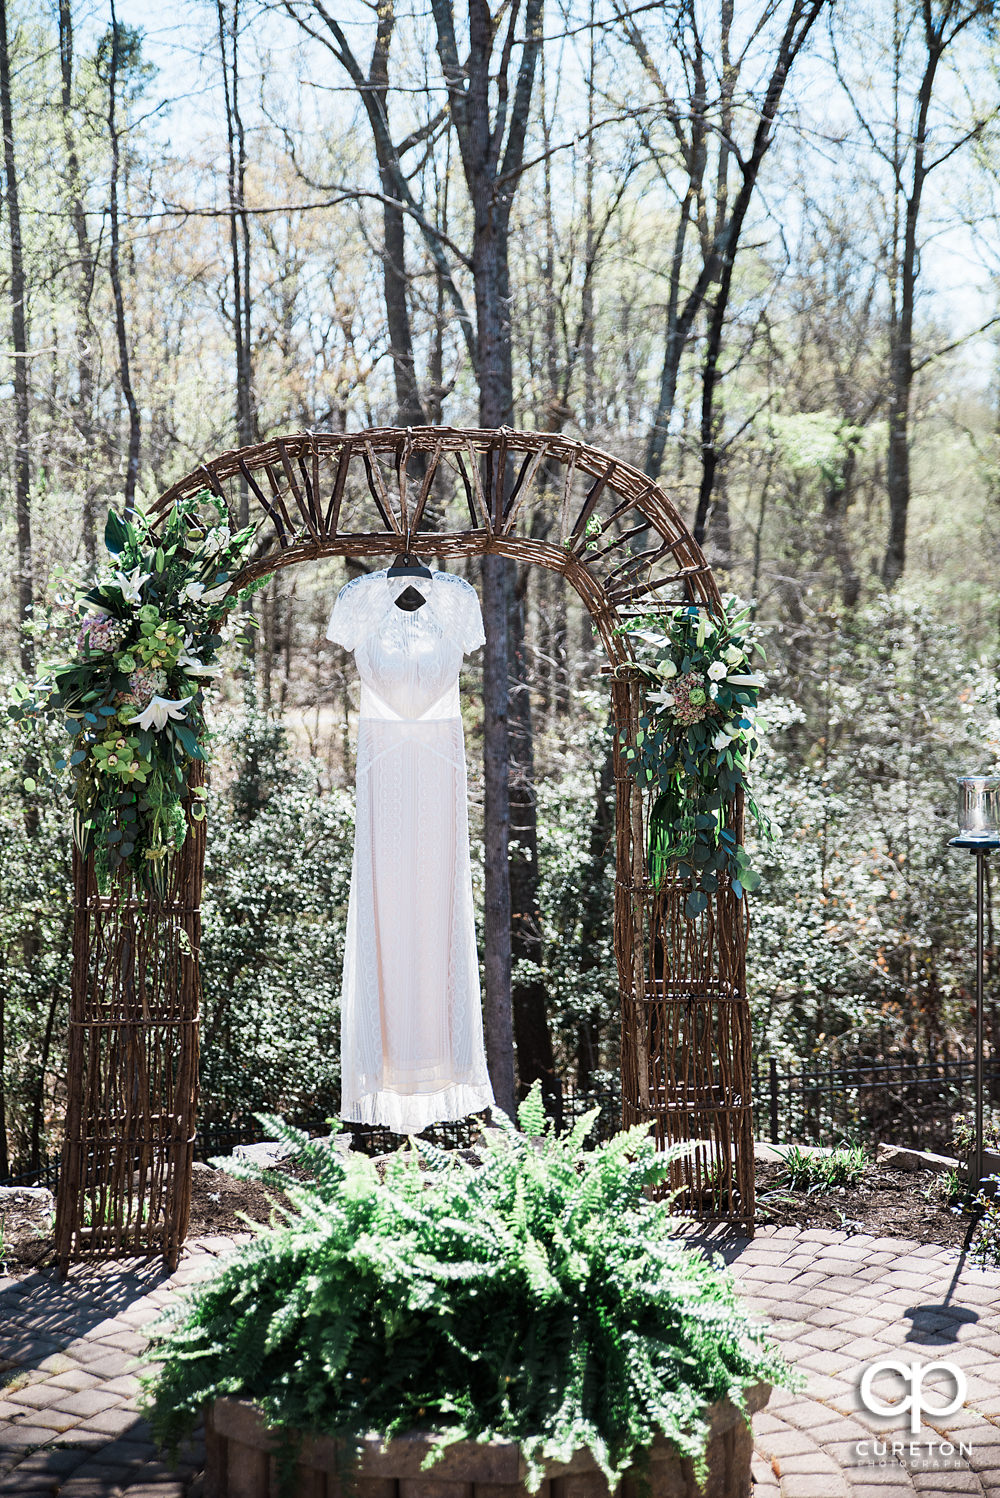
{"x":888,"y":1203}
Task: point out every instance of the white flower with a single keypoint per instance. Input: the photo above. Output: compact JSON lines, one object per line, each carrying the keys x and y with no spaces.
{"x":721,"y":740}
{"x":160,"y":709}
{"x":733,"y":655}
{"x":751,"y":680}
{"x":217,"y":539}
{"x":194,"y":667}
{"x":713,"y":690}
{"x":192,"y":592}
{"x":215,"y":595}
{"x":732,"y":730}
{"x":716,"y":671}
{"x":665,"y":670}
{"x":664,"y":699}
{"x":131,"y":584}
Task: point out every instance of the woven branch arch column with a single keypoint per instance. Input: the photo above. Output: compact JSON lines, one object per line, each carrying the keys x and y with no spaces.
{"x":617,"y":539}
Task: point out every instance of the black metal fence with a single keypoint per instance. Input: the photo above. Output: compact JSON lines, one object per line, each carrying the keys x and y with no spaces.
{"x":901,"y":1099}
{"x":221,"y":1137}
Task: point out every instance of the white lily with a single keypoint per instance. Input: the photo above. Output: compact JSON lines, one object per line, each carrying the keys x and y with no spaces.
{"x":131,"y":584}
{"x":721,"y":740}
{"x":215,"y":595}
{"x":664,"y":699}
{"x":160,"y":709}
{"x":716,"y":671}
{"x":733,"y":655}
{"x":191,"y":592}
{"x":750,"y":680}
{"x":194,"y":667}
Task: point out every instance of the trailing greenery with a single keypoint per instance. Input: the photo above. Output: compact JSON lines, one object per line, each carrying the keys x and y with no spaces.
{"x":694,"y":743}
{"x":130,"y":696}
{"x":539,"y":1296}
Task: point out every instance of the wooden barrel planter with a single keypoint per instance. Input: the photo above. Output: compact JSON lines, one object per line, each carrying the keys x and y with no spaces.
{"x":240,"y":1464}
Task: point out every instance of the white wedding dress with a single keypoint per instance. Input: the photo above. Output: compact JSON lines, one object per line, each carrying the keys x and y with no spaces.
{"x":411,"y":1040}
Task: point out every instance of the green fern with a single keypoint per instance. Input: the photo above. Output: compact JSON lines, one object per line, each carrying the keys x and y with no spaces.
{"x":539,"y":1296}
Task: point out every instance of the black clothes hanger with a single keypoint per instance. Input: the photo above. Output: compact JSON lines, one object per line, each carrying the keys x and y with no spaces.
{"x":407,"y":565}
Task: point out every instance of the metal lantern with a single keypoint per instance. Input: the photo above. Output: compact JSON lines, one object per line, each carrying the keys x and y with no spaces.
{"x":979,"y":832}
{"x":979,"y":808}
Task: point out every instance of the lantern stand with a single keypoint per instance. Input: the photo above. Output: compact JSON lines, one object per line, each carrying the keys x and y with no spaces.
{"x":978,"y":833}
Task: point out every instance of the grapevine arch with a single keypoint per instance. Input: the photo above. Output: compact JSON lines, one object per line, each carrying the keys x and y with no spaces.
{"x":615,"y":537}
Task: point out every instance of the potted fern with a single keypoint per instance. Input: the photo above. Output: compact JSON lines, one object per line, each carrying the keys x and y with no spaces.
{"x":525,"y":1315}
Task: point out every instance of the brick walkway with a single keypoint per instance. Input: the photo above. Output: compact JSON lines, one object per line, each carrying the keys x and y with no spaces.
{"x":838,"y":1303}
{"x":69,"y":1351}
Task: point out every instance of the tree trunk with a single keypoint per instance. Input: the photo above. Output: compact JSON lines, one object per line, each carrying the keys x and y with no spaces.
{"x":84,"y":284}
{"x":239,"y":236}
{"x":114,"y":265}
{"x":19,"y":329}
{"x":409,"y":407}
{"x":897,"y":473}
{"x":594,"y":916}
{"x":800,"y":21}
{"x":535,"y":1057}
{"x":491,"y":172}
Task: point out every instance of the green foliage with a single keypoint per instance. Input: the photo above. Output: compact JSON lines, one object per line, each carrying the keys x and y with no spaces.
{"x":694,"y":749}
{"x":867,"y":932}
{"x":986,"y":1239}
{"x":130,"y":696}
{"x":810,"y":1172}
{"x":952,"y":1188}
{"x":274,"y":912}
{"x":576,"y":896}
{"x":539,"y":1296}
{"x":964,"y":1131}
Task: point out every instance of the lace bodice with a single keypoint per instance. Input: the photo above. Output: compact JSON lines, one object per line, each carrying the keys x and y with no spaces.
{"x":408,"y":660}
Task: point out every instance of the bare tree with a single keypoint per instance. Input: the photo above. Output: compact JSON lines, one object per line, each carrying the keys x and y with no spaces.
{"x":695,"y":122}
{"x":922,"y":34}
{"x":491,"y":146}
{"x":19,"y":331}
{"x":84,"y":279}
{"x":120,"y":40}
{"x":239,"y":231}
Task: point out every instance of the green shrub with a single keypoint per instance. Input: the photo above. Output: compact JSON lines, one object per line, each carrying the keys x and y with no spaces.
{"x":540,"y":1296}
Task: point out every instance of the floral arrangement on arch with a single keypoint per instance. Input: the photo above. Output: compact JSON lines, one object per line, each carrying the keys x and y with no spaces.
{"x":131,"y":698}
{"x":695,"y":743}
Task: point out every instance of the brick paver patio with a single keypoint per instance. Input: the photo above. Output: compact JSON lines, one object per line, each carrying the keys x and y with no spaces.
{"x":69,"y":1427}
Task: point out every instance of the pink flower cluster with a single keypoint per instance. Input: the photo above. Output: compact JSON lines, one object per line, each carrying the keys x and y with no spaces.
{"x":691,"y":699}
{"x":144,"y":685}
{"x":100,"y":632}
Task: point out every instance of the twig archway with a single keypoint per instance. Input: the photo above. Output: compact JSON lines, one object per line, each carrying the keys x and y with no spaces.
{"x":622,"y":545}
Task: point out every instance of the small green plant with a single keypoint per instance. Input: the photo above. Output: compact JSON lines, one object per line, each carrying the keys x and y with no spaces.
{"x":952,"y":1189}
{"x":986,"y":1240}
{"x":539,"y":1296}
{"x":105,"y":1213}
{"x":964,"y":1132}
{"x":805,"y":1171}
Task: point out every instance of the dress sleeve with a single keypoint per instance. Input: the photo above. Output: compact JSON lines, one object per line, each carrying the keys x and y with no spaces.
{"x":343,"y":626}
{"x":473,"y":634}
